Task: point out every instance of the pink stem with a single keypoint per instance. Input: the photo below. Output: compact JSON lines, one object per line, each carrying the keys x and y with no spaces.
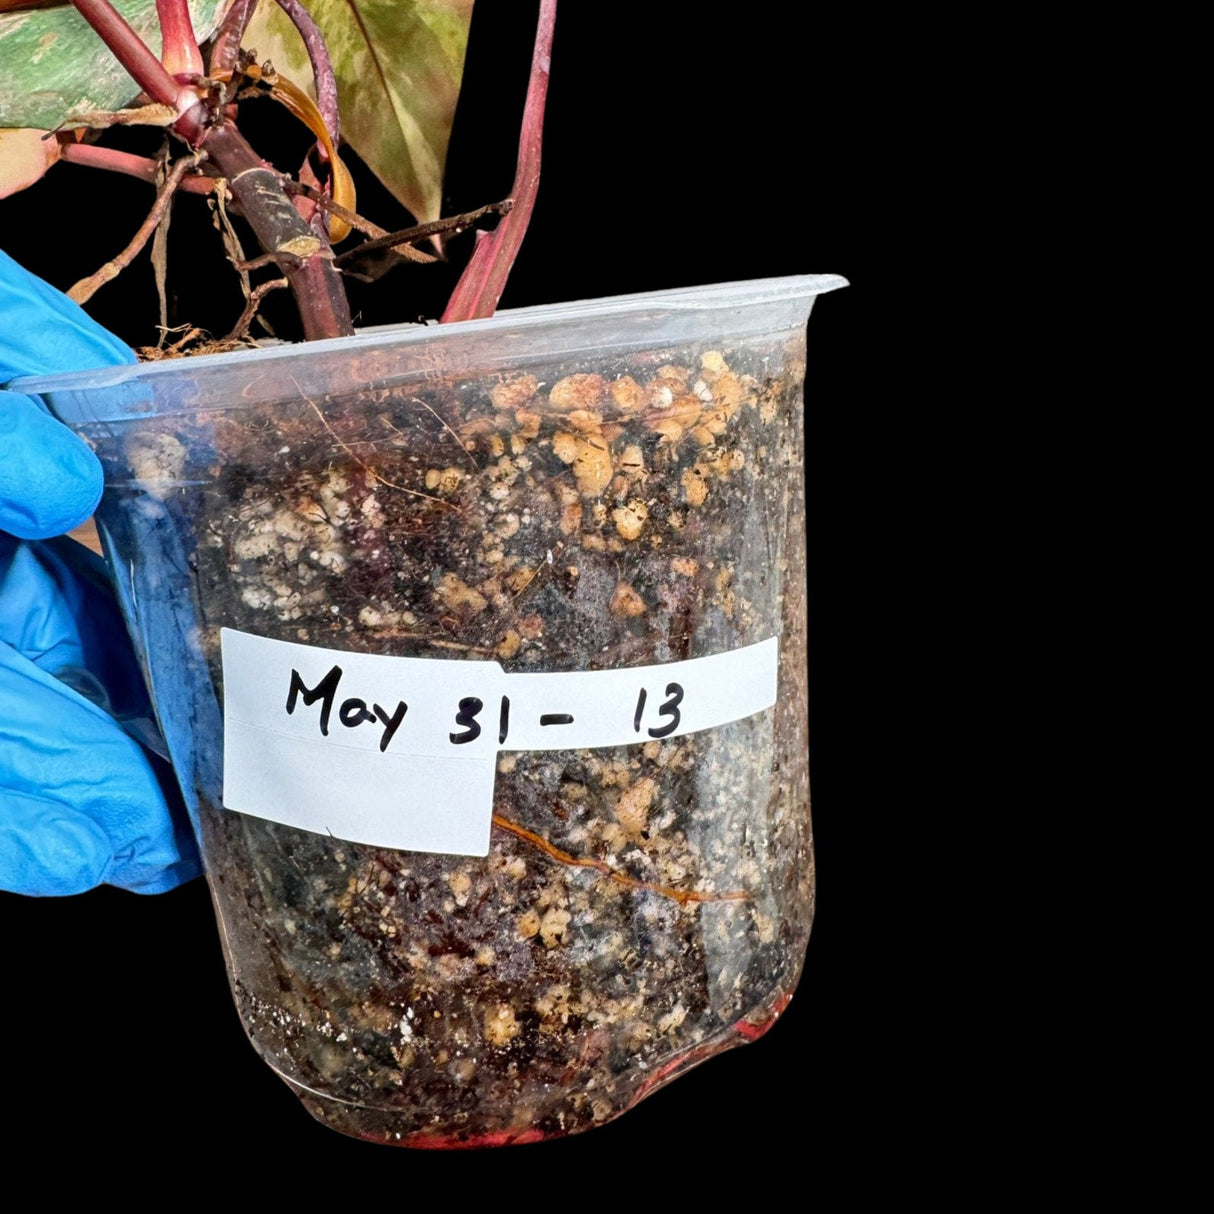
{"x":179,"y":48}
{"x":131,"y":51}
{"x":326,"y":102}
{"x":125,"y":162}
{"x":484,"y":278}
{"x":322,"y":65}
{"x":226,"y":43}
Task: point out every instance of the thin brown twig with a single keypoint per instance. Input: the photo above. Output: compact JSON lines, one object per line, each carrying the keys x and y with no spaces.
{"x":254,"y":263}
{"x":452,"y":226}
{"x":241,"y":328}
{"x":680,"y":896}
{"x":328,"y":205}
{"x":381,"y":238}
{"x":87,"y":287}
{"x":334,"y":207}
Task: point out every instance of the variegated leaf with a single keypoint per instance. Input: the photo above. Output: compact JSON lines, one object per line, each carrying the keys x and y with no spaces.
{"x":53,"y":65}
{"x":398,"y":65}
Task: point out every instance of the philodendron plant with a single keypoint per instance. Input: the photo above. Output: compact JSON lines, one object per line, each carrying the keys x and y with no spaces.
{"x":382,"y":76}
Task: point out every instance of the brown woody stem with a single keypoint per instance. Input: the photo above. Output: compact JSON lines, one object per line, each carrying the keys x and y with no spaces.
{"x":332,"y":207}
{"x":302,"y":256}
{"x":256,"y":295}
{"x":253,"y":263}
{"x":452,"y":226}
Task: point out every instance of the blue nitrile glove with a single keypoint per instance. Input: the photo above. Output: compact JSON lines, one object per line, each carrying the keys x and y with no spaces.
{"x":81,"y":802}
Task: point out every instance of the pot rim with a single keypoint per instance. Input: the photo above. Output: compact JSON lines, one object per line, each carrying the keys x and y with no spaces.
{"x":715,"y":296}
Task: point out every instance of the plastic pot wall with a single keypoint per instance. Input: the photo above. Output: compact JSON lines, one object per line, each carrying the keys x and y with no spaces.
{"x":543,"y":840}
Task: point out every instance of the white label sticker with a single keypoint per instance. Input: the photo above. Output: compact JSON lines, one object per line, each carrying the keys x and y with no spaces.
{"x":402,"y":752}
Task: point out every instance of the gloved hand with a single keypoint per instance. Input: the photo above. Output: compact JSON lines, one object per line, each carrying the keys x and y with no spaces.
{"x":81,"y":802}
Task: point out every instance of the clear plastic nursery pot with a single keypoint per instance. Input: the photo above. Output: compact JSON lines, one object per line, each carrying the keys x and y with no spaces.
{"x":479,"y":652}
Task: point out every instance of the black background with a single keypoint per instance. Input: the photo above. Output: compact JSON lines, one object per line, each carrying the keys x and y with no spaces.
{"x":683,"y":145}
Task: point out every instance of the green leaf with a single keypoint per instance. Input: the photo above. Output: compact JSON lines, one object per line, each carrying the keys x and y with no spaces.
{"x":398,"y":65}
{"x":52,"y":64}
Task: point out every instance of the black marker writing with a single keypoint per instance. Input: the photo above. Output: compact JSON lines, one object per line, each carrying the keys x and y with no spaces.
{"x":327,"y":688}
{"x":669,"y":709}
{"x":352,"y":713}
{"x":468,"y":708}
{"x":391,"y":723}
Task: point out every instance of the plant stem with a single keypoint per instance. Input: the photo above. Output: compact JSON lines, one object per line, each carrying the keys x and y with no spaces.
{"x":322,"y":65}
{"x":302,"y":256}
{"x":326,"y":103}
{"x":178,"y":48}
{"x":305,"y":260}
{"x":86,"y":287}
{"x":453,"y":225}
{"x":125,"y":162}
{"x":226,"y":44}
{"x":484,"y":278}
{"x":241,"y":328}
{"x":132,"y":52}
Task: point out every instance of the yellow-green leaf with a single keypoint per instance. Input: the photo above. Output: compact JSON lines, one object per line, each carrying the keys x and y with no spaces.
{"x":24,"y":156}
{"x":398,"y":65}
{"x":53,"y":65}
